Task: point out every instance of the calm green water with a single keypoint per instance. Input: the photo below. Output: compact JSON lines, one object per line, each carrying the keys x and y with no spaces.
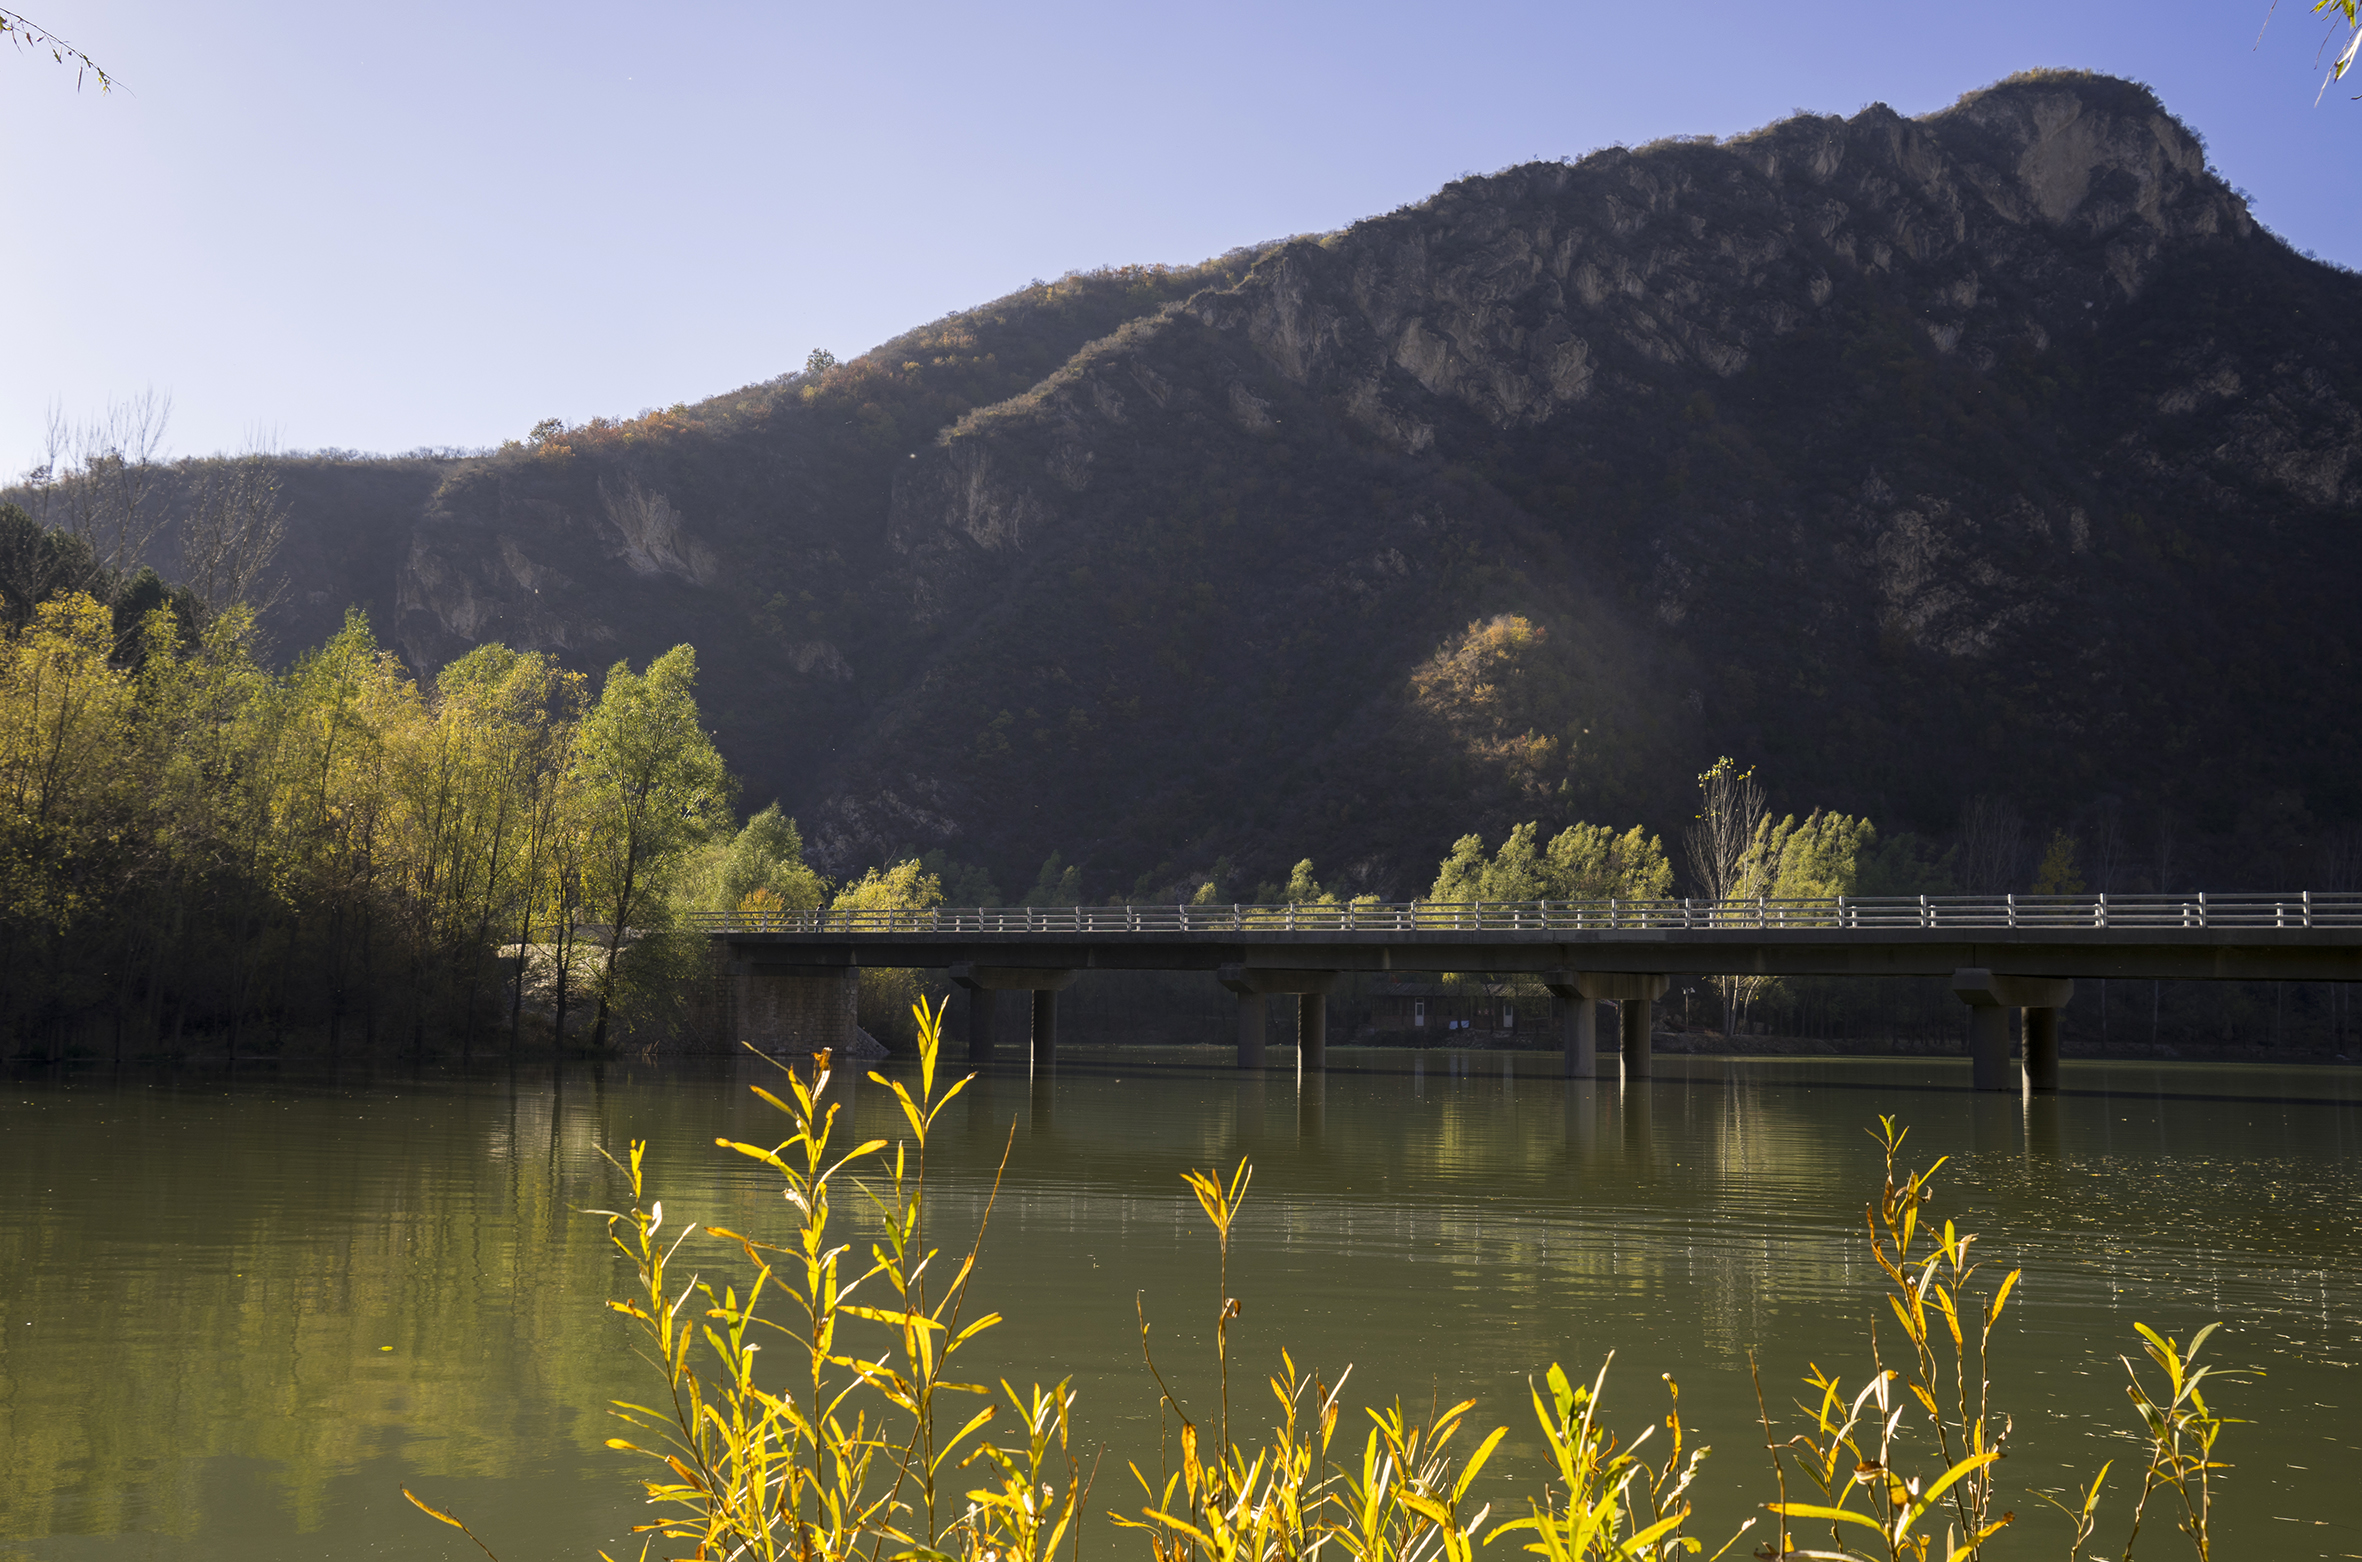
{"x":240,"y":1313}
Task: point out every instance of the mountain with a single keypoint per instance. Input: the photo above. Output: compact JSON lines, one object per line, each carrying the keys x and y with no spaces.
{"x":1995,"y":452}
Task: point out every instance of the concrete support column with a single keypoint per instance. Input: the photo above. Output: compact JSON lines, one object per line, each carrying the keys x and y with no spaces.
{"x":1990,"y":995}
{"x":1579,"y":1024}
{"x":1637,"y":1015}
{"x":1988,"y":1048}
{"x":1045,"y":1026}
{"x":983,"y":983}
{"x":1582,"y":992}
{"x":981,"y":1003}
{"x":2042,"y":1048}
{"x":1312,"y":1031}
{"x":1250,"y":1030}
{"x":1252,"y":983}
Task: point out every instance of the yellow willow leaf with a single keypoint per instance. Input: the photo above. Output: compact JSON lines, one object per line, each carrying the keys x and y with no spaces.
{"x":1645,"y":1541}
{"x":1426,"y":1507}
{"x":430,"y":1510}
{"x":1927,"y":1499}
{"x":1982,"y":1535}
{"x":1180,"y":1526}
{"x":1476,"y":1462}
{"x":2001,"y":1297}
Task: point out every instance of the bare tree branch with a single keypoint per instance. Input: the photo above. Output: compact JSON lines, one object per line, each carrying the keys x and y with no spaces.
{"x":233,"y":528}
{"x":97,"y":479}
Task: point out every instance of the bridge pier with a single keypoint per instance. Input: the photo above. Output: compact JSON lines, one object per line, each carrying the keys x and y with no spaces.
{"x":2042,"y":1048}
{"x":785,"y":1008}
{"x":984,"y":984}
{"x":1045,"y":1026}
{"x":1578,"y":1023}
{"x":982,"y":1001}
{"x":1990,"y":995}
{"x":1639,"y":1046}
{"x":1634,"y":997}
{"x":1580,"y":1037}
{"x":1250,"y":1030}
{"x":1254,"y":983}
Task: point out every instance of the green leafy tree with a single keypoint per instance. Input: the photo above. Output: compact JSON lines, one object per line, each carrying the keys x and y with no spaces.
{"x":964,"y":883}
{"x":1301,"y":889}
{"x":1592,"y":862}
{"x":652,"y":790}
{"x":2058,"y":874}
{"x":1059,"y":883}
{"x":902,"y":886}
{"x":1582,"y":862}
{"x":887,"y":993}
{"x":767,"y":856}
{"x":1816,"y":859}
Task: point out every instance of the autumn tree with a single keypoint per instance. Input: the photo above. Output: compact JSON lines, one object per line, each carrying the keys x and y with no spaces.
{"x":66,"y":800}
{"x":653,"y":788}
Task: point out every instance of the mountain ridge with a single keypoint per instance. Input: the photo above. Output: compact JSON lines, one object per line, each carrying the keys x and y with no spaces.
{"x":1994,"y":451}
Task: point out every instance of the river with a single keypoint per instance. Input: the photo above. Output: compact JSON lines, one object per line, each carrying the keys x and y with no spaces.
{"x":242,"y":1311}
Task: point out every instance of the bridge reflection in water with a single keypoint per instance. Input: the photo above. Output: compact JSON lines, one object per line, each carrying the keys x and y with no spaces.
{"x":794,"y":972}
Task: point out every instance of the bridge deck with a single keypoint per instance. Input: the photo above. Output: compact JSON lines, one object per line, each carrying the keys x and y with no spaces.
{"x":2289,"y":937}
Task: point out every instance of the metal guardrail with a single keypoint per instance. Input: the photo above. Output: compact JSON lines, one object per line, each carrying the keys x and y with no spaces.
{"x":1964,"y":913}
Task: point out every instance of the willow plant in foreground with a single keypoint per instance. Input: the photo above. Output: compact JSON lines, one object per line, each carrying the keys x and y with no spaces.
{"x":1407,"y":1497}
{"x":847,"y":1457}
{"x":1855,"y":1450}
{"x":849,"y":1450}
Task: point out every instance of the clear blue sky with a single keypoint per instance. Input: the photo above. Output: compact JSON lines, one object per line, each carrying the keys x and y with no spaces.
{"x":382,"y":227}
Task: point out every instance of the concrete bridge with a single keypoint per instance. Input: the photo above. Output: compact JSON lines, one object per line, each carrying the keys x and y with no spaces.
{"x":794,"y":972}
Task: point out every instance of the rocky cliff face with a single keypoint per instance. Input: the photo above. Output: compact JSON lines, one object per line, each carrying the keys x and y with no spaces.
{"x":1998,"y":450}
